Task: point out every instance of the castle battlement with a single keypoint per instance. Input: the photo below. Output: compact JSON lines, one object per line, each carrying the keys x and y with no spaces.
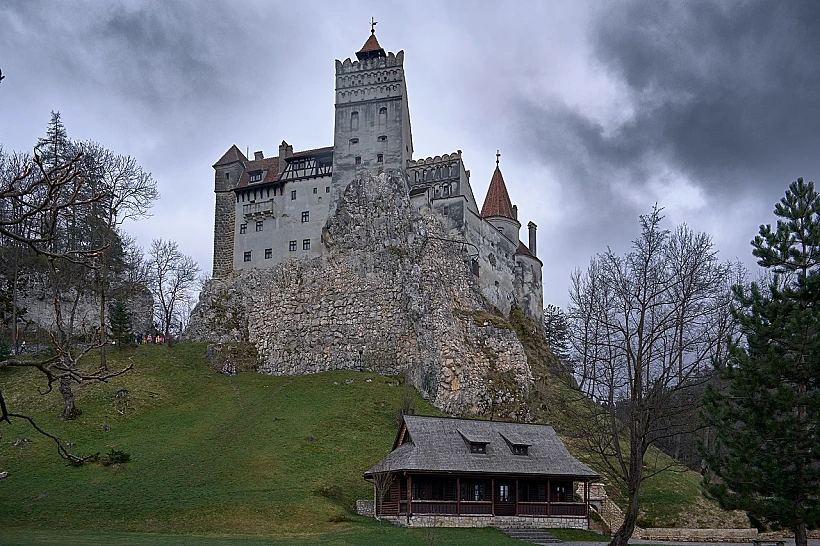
{"x":349,"y":66}
{"x":428,"y":161}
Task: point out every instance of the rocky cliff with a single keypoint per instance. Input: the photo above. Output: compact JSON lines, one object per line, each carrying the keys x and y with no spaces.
{"x":391,"y":294}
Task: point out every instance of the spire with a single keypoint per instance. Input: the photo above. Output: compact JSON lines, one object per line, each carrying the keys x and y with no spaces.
{"x":371,"y":47}
{"x":497,"y":202}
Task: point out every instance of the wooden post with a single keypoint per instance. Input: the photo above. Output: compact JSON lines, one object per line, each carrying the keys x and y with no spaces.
{"x":549,"y":494}
{"x":458,"y":496}
{"x":516,"y":497}
{"x":586,"y":499}
{"x":409,"y":497}
{"x":492,"y":496}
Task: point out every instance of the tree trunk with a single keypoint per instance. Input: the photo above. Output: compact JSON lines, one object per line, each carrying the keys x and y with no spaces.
{"x":624,"y":532}
{"x":800,"y":536}
{"x":70,"y":411}
{"x":103,"y":289}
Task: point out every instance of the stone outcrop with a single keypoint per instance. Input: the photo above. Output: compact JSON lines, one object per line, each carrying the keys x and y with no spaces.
{"x":391,"y":295}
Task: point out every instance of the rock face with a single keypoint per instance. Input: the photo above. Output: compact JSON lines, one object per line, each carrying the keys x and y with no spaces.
{"x":391,"y":295}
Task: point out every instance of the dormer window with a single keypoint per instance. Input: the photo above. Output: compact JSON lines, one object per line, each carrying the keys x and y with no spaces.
{"x":518,"y":445}
{"x":520,"y":450}
{"x":478,"y":447}
{"x":255,"y":176}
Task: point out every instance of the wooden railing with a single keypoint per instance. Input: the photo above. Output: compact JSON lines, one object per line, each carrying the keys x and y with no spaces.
{"x":486,"y":508}
{"x":254,"y":209}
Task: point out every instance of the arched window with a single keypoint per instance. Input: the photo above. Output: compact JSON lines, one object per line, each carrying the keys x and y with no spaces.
{"x":354,"y":121}
{"x":383,"y":116}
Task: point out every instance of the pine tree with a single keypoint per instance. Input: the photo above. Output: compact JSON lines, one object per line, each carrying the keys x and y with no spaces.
{"x":766,"y":408}
{"x":557,"y":333}
{"x":119,"y":319}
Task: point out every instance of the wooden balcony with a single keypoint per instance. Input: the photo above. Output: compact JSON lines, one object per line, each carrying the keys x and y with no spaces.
{"x":265,"y":208}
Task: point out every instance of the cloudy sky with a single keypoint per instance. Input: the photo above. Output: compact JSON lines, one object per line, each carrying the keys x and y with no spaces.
{"x":600,"y":109}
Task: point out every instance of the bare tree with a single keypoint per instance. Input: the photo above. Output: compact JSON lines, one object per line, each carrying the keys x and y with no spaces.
{"x":644,"y":328}
{"x":172,"y":279}
{"x":382,"y":482}
{"x":43,"y":196}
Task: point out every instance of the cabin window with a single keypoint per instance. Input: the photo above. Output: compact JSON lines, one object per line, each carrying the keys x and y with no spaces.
{"x":260,"y":225}
{"x":268,"y":253}
{"x":305,"y":244}
{"x":379,"y":158}
{"x":358,"y":160}
{"x":247,"y":256}
{"x":243,"y":228}
{"x":354,"y":121}
{"x":293,"y":195}
{"x":503,"y":492}
{"x":478,"y":447}
{"x":292,"y":246}
{"x":520,"y":450}
{"x":305,"y":217}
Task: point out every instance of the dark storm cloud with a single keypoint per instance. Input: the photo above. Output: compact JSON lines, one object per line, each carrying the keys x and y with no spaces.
{"x":725,"y":93}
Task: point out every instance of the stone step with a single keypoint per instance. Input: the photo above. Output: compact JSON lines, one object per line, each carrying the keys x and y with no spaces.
{"x":533,"y":536}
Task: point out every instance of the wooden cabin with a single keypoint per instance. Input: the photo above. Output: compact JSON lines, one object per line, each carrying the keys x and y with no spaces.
{"x":468,"y":472}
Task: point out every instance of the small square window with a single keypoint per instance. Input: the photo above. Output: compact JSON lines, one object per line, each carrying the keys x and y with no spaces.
{"x":358,"y":160}
{"x":260,"y":225}
{"x":243,"y":228}
{"x":327,"y":189}
{"x":305,"y":244}
{"x":268,"y":253}
{"x":315,"y":191}
{"x":292,"y":246}
{"x":476,"y":447}
{"x":305,"y":217}
{"x":379,"y":158}
{"x":293,"y":195}
{"x":247,"y":256}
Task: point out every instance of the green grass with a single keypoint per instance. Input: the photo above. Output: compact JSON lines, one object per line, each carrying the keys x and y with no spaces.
{"x":578,"y":535}
{"x":214,"y":459}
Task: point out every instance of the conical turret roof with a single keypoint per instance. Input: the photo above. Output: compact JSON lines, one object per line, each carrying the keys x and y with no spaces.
{"x":497,"y":202}
{"x":233,"y":155}
{"x":371,"y":47}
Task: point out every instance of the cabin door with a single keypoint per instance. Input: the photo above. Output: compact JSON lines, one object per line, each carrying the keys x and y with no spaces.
{"x":504,"y":498}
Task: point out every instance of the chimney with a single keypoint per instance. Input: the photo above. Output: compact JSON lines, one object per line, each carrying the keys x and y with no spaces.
{"x":257,"y":156}
{"x":285,"y":151}
{"x":532,"y":227}
{"x":515,"y":213}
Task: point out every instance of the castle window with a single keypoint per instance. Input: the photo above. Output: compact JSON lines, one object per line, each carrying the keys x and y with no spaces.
{"x":268,"y":253}
{"x":247,"y":256}
{"x":315,"y":191}
{"x":305,"y":244}
{"x":260,"y":225}
{"x":292,"y":246}
{"x":358,"y":160}
{"x":305,"y":217}
{"x":327,"y":189}
{"x":446,"y":210}
{"x":293,"y":195}
{"x":382,"y":138}
{"x":354,"y":121}
{"x":382,"y":115}
{"x":227,"y":176}
{"x":255,"y":176}
{"x":354,"y":141}
{"x":379,"y":158}
{"x":243,"y":228}
{"x":474,"y":268}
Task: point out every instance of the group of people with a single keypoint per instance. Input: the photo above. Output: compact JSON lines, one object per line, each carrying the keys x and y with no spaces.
{"x":148,"y":338}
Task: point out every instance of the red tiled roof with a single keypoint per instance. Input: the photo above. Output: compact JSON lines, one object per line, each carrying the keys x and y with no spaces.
{"x":497,"y":202}
{"x":233,"y":155}
{"x":523,"y":249}
{"x":269,"y":164}
{"x":372,"y":44}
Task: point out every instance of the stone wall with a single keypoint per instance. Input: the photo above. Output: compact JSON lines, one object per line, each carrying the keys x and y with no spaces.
{"x":506,"y":522}
{"x":696,"y":535}
{"x":387,"y":296}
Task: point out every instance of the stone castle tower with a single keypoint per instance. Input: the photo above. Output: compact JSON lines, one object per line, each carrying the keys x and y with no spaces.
{"x":273,"y":209}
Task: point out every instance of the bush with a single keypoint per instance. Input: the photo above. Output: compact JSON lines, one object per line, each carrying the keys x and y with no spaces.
{"x":115,"y":457}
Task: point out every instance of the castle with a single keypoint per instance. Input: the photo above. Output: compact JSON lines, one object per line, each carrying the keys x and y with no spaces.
{"x":272,"y":209}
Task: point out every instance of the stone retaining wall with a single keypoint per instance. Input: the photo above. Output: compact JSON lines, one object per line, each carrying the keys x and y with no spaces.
{"x":697,"y":535}
{"x":515,"y":522}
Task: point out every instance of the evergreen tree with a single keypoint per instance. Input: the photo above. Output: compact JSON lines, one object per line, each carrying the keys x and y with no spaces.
{"x":766,"y":411}
{"x":119,"y":320}
{"x":557,"y":334}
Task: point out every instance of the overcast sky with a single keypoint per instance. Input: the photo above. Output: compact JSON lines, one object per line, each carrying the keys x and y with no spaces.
{"x":600,"y":109}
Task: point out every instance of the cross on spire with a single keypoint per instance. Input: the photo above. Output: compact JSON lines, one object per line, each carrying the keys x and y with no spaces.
{"x":373,"y":24}
{"x":497,"y":157}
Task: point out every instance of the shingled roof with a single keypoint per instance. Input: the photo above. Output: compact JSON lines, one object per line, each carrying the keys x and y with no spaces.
{"x":497,"y":202}
{"x":370,"y":49}
{"x":233,"y":155}
{"x":440,"y":444}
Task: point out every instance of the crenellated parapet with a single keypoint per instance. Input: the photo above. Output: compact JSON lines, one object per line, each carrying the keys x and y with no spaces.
{"x":432,"y":170}
{"x":350,"y":67}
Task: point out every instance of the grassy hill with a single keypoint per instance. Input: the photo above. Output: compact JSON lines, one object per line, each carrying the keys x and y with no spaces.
{"x":211,"y":456}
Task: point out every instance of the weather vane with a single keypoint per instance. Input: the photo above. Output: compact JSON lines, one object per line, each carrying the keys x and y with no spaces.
{"x":373,"y":24}
{"x":497,"y":157}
